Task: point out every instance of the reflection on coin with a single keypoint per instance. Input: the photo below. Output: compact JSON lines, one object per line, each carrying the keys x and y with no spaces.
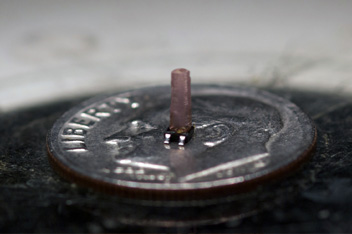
{"x":242,"y":136}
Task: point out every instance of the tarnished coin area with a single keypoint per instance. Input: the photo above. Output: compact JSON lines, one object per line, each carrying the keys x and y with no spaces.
{"x":242,"y":135}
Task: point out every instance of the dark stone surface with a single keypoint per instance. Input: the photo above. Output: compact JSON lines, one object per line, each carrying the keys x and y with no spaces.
{"x":33,"y":198}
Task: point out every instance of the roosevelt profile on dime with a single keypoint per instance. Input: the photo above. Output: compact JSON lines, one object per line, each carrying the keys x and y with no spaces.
{"x":239,"y":126}
{"x":242,"y":137}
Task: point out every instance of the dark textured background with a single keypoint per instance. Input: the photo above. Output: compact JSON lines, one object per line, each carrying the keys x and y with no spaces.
{"x":317,"y":198}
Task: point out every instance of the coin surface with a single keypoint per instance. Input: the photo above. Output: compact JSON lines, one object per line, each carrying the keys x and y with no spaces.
{"x":242,"y":136}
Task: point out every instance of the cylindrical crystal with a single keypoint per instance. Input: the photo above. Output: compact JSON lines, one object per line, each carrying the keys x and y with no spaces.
{"x":181,"y":104}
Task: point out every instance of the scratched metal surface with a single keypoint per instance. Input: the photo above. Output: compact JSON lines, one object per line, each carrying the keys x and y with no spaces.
{"x":315,"y":199}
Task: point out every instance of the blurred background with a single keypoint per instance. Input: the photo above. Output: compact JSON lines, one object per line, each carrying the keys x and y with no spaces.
{"x":54,"y":50}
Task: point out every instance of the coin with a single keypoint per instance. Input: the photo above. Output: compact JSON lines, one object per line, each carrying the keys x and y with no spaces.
{"x":243,"y":136}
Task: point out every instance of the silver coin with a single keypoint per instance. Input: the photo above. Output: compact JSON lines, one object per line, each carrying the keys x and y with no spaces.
{"x":242,"y":136}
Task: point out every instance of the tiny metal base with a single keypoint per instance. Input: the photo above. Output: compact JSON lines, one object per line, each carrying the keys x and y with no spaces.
{"x":181,"y":138}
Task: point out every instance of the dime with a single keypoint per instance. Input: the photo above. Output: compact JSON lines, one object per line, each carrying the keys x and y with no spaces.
{"x":242,"y":136}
